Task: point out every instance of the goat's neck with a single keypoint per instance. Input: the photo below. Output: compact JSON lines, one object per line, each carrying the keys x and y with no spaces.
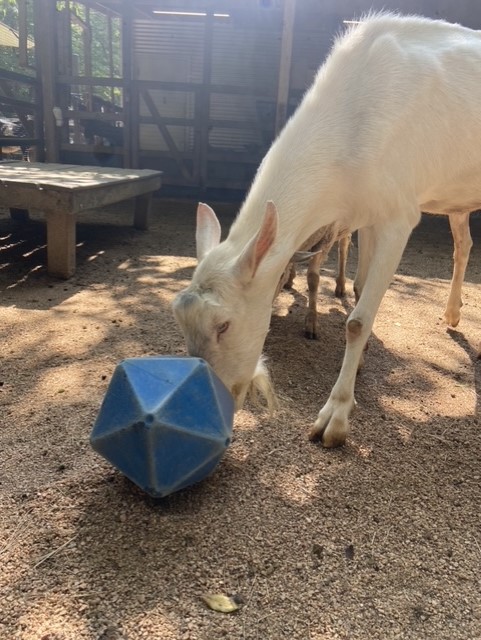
{"x":294,"y":175}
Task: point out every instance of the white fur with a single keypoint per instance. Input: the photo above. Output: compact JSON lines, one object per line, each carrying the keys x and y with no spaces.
{"x":390,"y":127}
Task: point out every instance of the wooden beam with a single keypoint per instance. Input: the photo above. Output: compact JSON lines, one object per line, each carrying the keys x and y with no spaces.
{"x":202,"y":139}
{"x":134,"y":125}
{"x":166,"y":135}
{"x":240,"y":125}
{"x":64,"y":40}
{"x":285,"y":64}
{"x":19,"y":77}
{"x":130,"y":127}
{"x":64,"y":64}
{"x":16,"y":142}
{"x":142,"y":209}
{"x":87,"y":43}
{"x":92,"y":148}
{"x":90,"y":81}
{"x":99,"y":116}
{"x":45,"y":37}
{"x":61,"y":244}
{"x":22,"y":105}
{"x":101,"y":8}
{"x":161,"y":84}
{"x":22,"y":33}
{"x":225,"y":157}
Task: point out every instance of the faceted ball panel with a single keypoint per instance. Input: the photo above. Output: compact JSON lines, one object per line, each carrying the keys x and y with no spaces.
{"x":165,"y":422}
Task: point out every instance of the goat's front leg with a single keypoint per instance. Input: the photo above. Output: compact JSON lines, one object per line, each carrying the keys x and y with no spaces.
{"x":459,"y":223}
{"x":365,"y":242}
{"x":387,"y":243}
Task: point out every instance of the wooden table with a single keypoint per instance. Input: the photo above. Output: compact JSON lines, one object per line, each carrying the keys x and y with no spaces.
{"x":62,"y":191}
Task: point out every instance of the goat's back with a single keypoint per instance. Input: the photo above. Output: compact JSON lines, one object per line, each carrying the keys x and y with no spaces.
{"x":399,"y":100}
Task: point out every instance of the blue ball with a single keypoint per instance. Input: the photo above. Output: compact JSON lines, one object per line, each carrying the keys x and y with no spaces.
{"x":165,"y":422}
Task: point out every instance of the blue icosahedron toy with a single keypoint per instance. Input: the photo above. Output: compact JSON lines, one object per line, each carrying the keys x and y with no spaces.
{"x":165,"y":422}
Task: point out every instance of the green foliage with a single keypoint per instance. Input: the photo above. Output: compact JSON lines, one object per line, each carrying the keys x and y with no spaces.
{"x":9,"y":55}
{"x":9,"y":12}
{"x":91,"y":33}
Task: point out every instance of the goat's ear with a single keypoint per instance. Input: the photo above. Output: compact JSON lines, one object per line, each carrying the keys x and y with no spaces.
{"x":207,"y":234}
{"x":258,"y":247}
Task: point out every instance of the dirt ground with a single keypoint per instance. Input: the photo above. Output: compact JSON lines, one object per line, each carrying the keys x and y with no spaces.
{"x":380,"y":539}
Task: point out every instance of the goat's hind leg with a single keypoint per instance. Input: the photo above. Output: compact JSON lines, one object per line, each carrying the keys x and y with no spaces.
{"x":342,"y":253}
{"x":290,"y":277}
{"x":459,"y":223}
{"x":310,"y":320}
{"x":387,"y":243}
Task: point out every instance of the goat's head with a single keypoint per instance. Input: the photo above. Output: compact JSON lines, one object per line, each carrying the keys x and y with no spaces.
{"x":225,"y":312}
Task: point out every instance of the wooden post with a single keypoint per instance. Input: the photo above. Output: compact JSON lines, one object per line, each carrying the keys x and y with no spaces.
{"x":64,"y":67}
{"x":61,"y":234}
{"x":285,"y":63}
{"x":130,"y":128}
{"x":111,"y":55}
{"x":87,"y":50}
{"x":204,"y":96}
{"x":133,"y":128}
{"x":143,"y":205}
{"x":22,"y":33}
{"x":45,"y":39}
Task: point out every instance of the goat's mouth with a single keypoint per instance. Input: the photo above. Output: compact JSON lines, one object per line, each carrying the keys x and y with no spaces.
{"x":260,"y":389}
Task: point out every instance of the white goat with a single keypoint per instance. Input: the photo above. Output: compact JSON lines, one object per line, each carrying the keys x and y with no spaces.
{"x":391,"y":127}
{"x":315,"y":251}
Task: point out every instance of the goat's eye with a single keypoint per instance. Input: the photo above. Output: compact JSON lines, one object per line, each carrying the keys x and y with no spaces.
{"x":222,"y":328}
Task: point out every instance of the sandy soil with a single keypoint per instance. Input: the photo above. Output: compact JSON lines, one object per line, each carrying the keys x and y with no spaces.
{"x":380,"y":539}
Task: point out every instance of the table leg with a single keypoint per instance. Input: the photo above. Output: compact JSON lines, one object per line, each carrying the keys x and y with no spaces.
{"x":19,"y":215}
{"x":60,"y":244}
{"x":142,"y":209}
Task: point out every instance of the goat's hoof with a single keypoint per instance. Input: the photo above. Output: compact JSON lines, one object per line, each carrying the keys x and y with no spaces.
{"x":331,"y":435}
{"x":332,"y":424}
{"x":315,"y":434}
{"x":310,"y":335}
{"x":452,"y":320}
{"x":452,"y":314}
{"x":328,"y":440}
{"x":340,"y":292}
